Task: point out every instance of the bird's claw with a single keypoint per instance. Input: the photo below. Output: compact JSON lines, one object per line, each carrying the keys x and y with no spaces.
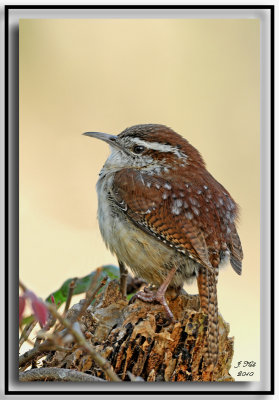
{"x":149,"y":296}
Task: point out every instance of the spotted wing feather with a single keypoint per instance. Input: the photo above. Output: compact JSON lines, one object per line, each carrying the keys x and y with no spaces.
{"x":150,"y":205}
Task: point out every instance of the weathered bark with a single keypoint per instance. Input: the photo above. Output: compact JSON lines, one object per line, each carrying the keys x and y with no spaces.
{"x":135,"y":338}
{"x":56,"y":374}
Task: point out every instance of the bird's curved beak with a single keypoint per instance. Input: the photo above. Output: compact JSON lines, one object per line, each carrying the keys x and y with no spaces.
{"x":110,"y":139}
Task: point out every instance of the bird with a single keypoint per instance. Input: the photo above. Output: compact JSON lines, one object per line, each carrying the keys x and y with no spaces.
{"x":167,"y":218}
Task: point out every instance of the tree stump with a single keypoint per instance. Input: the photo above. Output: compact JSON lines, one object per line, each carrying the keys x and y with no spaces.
{"x":135,"y":338}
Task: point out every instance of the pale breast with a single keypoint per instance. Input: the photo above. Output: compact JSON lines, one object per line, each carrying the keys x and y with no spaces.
{"x":145,"y":255}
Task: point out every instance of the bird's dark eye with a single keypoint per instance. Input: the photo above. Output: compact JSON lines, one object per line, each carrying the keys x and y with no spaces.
{"x":138,"y":149}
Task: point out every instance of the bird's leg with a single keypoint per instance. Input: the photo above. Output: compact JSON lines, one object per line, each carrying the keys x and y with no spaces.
{"x":123,"y":279}
{"x":159,"y":295}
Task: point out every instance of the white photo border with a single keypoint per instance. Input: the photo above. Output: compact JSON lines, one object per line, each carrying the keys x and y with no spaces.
{"x":12,"y":15}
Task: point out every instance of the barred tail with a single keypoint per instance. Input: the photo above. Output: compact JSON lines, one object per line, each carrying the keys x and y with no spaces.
{"x":207,"y":284}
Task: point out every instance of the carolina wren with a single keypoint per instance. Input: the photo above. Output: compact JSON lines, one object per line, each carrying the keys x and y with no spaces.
{"x":165,"y":216}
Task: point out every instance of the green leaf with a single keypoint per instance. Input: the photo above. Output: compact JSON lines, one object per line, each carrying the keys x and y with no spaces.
{"x":27,"y":320}
{"x":111,"y":271}
{"x":82,"y":284}
{"x":129,"y":296}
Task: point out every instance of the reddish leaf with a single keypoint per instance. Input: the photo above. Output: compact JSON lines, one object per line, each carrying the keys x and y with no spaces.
{"x":39,"y":308}
{"x":52,"y":299}
{"x":21,"y":307}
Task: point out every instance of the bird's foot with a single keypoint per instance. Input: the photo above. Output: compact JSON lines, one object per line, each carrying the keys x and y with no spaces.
{"x":151,"y":296}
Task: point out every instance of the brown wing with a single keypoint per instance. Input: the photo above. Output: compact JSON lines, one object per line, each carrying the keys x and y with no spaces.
{"x":162,"y":209}
{"x":236,"y":253}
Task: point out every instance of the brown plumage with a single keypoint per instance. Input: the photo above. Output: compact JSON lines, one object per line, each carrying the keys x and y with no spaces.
{"x":169,"y":219}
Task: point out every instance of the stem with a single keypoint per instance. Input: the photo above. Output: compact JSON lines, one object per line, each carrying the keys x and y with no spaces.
{"x":80,"y":339}
{"x":26,"y":333}
{"x":57,"y":374}
{"x":36,"y":351}
{"x":123,"y":279}
{"x":22,"y":286}
{"x":70,"y":295}
{"x":90,"y":298}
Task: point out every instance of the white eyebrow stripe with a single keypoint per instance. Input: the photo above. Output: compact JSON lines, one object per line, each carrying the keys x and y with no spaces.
{"x":164,"y":148}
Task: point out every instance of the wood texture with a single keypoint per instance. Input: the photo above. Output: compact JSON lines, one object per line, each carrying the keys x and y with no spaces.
{"x":134,"y":339}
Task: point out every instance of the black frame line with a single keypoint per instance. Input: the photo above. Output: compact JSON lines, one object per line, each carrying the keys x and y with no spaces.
{"x":7,"y":187}
{"x":132,"y":6}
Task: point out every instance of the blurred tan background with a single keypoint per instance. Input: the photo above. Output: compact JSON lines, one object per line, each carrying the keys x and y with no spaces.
{"x":200,"y":77}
